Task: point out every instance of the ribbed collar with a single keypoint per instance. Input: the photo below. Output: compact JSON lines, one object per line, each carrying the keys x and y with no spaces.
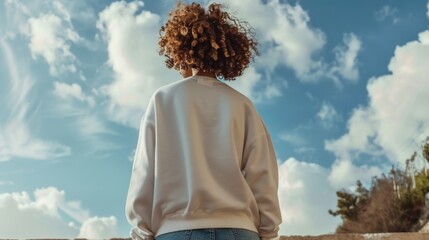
{"x":207,"y":81}
{"x":206,"y":78}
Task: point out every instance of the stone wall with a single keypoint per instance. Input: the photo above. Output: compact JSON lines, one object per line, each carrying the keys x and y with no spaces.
{"x":377,"y":236}
{"x":380,"y":236}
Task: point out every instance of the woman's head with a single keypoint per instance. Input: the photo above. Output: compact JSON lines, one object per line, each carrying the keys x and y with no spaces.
{"x":210,"y":40}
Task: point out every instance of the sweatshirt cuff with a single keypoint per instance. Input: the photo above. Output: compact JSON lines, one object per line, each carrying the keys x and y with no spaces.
{"x":272,"y":235}
{"x":138,"y":234}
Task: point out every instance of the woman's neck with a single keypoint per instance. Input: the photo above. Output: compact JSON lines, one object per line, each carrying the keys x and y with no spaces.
{"x":198,"y":72}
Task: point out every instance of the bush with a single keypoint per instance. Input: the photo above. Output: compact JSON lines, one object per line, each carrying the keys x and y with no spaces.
{"x":394,"y":203}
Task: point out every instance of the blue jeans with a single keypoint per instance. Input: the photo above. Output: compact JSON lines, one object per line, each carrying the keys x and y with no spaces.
{"x":210,"y":234}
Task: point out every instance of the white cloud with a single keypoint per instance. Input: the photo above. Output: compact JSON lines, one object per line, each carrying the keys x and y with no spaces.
{"x":346,"y":59}
{"x":73,"y":90}
{"x":271,"y":91}
{"x":51,"y":39}
{"x":16,"y":139}
{"x":39,"y":219}
{"x":3,"y":183}
{"x":50,"y":30}
{"x":247,"y":83}
{"x":305,"y":196}
{"x":70,"y":11}
{"x":90,"y":124}
{"x":305,"y":150}
{"x":396,"y":119}
{"x":293,"y":138}
{"x":132,"y":155}
{"x":18,"y":5}
{"x":344,"y":173}
{"x":308,"y":190}
{"x":52,"y":36}
{"x":288,"y":39}
{"x":427,"y":13}
{"x":51,"y":200}
{"x":387,"y":12}
{"x":45,"y":217}
{"x":4,"y":149}
{"x":16,"y":15}
{"x":328,"y":116}
{"x":66,"y":15}
{"x":296,"y":41}
{"x":361,"y":125}
{"x":99,"y":228}
{"x":78,"y":11}
{"x":139,"y":70}
{"x":285,"y":35}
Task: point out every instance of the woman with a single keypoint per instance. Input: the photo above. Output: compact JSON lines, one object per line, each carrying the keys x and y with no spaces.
{"x":205,"y":166}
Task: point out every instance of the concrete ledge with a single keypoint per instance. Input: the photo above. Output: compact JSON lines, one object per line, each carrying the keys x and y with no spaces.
{"x":373,"y":236}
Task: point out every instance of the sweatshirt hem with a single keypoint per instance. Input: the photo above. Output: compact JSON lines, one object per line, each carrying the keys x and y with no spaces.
{"x":180,"y":222}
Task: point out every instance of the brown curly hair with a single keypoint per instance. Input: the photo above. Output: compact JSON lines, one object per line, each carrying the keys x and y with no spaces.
{"x":213,"y":40}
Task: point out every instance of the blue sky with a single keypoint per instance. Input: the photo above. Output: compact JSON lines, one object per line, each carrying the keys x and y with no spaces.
{"x":341,"y":86}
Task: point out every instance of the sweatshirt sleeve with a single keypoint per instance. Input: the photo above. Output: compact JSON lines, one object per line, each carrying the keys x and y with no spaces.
{"x":139,"y":200}
{"x":261,"y":173}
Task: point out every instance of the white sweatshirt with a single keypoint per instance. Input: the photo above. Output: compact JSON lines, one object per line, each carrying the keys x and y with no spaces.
{"x":204,"y":159}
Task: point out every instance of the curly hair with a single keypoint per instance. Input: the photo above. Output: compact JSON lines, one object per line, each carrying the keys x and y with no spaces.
{"x":213,"y":40}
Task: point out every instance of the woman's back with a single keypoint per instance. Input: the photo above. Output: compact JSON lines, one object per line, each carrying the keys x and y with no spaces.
{"x":204,"y":158}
